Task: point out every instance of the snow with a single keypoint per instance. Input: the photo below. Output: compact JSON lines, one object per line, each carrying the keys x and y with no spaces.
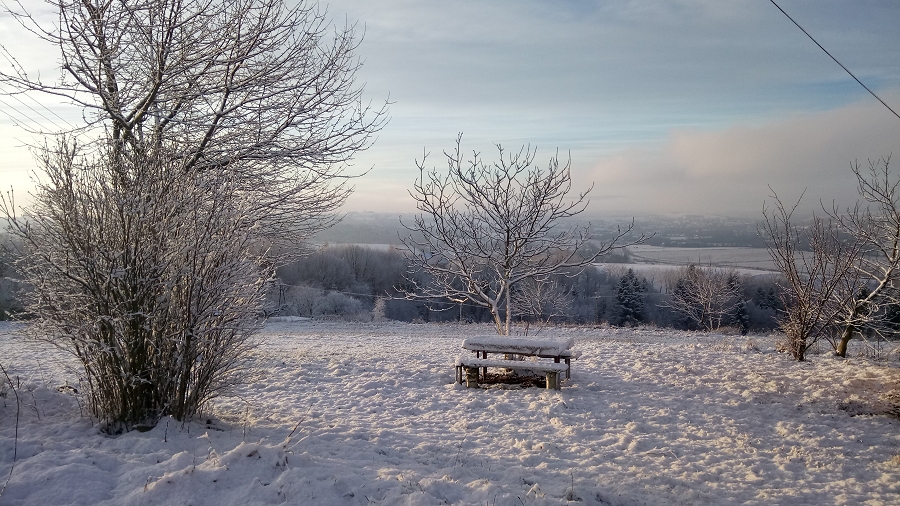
{"x":513,"y":344}
{"x":653,"y":270}
{"x":338,"y":413}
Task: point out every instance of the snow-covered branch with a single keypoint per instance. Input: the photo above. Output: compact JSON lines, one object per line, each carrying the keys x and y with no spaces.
{"x":485,"y":227}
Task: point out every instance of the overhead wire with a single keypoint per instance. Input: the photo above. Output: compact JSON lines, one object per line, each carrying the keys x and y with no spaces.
{"x":16,"y":96}
{"x":18,"y":117}
{"x":835,"y":59}
{"x":25,"y":115}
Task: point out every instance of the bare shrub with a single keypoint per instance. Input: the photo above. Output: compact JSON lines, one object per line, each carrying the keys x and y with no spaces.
{"x":156,"y":292}
{"x":708,"y":297}
{"x":336,"y":304}
{"x":540,"y":302}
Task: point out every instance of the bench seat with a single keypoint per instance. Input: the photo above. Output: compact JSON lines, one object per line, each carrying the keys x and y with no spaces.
{"x":471,"y":366}
{"x":511,"y":364}
{"x":567,"y":354}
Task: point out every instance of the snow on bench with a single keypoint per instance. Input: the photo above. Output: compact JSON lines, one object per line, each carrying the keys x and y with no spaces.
{"x":506,"y":344}
{"x":557,"y":349}
{"x":471,"y":365}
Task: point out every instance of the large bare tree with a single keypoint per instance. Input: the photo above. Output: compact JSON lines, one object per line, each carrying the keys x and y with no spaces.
{"x":256,"y":86}
{"x":216,"y":132}
{"x":485,"y":227}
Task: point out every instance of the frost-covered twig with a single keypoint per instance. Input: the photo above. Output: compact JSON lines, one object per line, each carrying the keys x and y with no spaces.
{"x":287,"y":440}
{"x":16,"y":438}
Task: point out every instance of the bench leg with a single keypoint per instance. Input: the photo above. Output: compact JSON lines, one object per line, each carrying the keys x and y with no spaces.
{"x":553,"y":380}
{"x":568,"y":368}
{"x":459,"y":374}
{"x":471,"y":377}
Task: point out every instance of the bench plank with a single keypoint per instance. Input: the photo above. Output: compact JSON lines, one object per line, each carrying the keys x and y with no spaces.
{"x":467,"y":369}
{"x":512,"y":364}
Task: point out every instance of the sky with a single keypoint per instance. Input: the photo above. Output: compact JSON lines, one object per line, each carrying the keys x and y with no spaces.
{"x":666,"y":107}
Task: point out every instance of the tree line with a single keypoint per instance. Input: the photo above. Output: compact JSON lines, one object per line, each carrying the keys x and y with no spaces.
{"x":351,"y":280}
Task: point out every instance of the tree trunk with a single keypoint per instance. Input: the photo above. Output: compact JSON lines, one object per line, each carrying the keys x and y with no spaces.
{"x":187,"y":361}
{"x":848,"y":332}
{"x":797,"y":346}
{"x":498,"y":323}
{"x":846,"y":336}
{"x":508,"y":311}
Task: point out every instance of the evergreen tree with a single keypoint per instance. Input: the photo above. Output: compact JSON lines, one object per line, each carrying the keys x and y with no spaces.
{"x":629,"y":300}
{"x":741,"y":318}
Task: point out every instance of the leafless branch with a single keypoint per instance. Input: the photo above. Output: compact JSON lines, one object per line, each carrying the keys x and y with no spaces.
{"x":486,"y":227}
{"x":816,"y":263}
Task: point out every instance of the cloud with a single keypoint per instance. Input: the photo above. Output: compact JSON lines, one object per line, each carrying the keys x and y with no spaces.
{"x":729,"y":171}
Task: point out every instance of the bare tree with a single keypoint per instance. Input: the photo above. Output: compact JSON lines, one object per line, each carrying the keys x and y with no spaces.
{"x":541,"y":301}
{"x":253,"y":86}
{"x":486,"y":227}
{"x":875,"y":224}
{"x":215,"y":129}
{"x":817,"y":264}
{"x":706,"y":296}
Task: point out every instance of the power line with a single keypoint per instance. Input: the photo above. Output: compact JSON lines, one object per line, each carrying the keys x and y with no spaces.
{"x":7,"y":104}
{"x":15,"y":96}
{"x":20,"y":120}
{"x":835,"y":59}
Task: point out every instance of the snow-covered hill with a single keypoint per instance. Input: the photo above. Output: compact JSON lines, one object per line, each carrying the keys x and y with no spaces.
{"x":350,"y":413}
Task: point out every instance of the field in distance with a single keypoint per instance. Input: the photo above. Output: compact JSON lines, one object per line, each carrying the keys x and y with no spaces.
{"x":756,"y":259}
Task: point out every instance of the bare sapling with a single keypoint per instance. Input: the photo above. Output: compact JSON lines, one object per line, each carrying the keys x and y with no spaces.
{"x":815,"y":263}
{"x":708,"y":297}
{"x":485,"y":227}
{"x":875,"y":222}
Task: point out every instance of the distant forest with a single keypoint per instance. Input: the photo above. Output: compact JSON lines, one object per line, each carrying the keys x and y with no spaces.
{"x":681,"y":231}
{"x":365,"y":279}
{"x":354,"y":281}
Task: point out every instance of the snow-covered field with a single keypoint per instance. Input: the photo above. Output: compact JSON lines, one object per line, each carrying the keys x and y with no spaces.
{"x":741,"y":258}
{"x":353,"y":413}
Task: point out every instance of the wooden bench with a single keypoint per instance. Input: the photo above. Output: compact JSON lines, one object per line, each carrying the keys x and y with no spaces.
{"x":560,"y":350}
{"x":467,"y":369}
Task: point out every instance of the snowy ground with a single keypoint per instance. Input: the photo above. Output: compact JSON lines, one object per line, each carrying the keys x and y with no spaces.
{"x":649,"y":417}
{"x":749,"y":258}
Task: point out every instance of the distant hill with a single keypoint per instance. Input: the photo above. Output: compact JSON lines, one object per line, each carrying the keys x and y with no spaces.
{"x":365,"y":228}
{"x":671,"y":231}
{"x":702,"y":232}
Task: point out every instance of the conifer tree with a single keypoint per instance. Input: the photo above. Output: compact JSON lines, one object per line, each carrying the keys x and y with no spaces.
{"x":629,"y":299}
